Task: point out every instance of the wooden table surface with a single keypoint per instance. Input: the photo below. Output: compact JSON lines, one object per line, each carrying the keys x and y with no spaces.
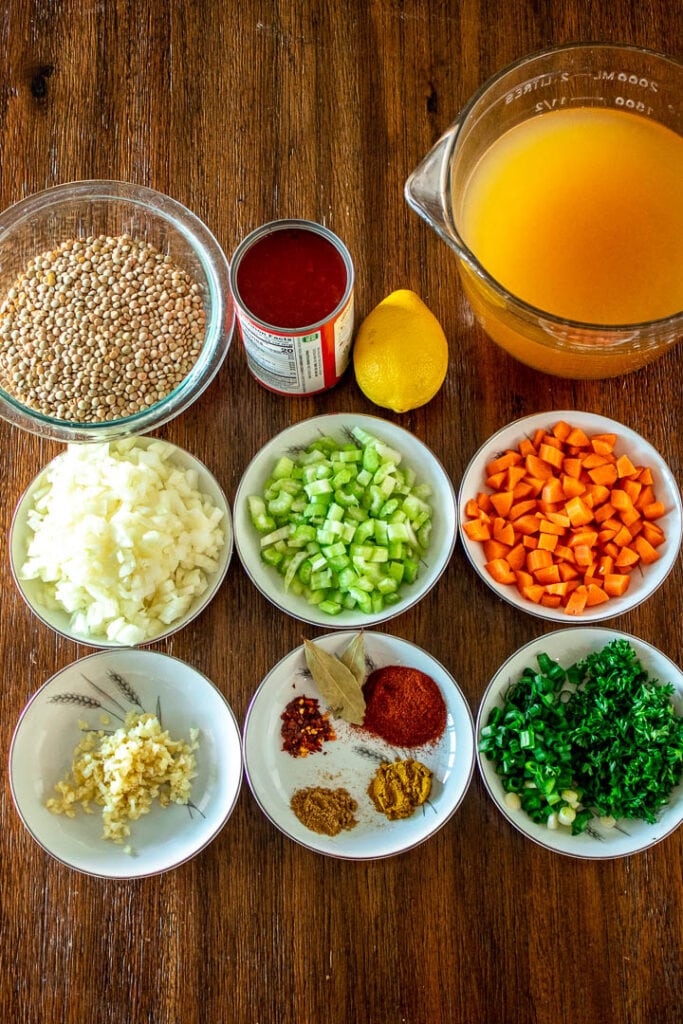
{"x":249,"y":111}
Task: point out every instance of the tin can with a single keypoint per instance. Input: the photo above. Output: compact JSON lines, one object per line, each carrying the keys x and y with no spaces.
{"x":292,"y":284}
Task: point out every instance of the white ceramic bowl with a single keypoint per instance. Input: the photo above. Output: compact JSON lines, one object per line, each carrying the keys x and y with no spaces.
{"x":415,"y":455}
{"x":568,"y":646}
{"x":645,"y":580}
{"x":351,"y":760}
{"x":61,"y":620}
{"x":48,"y":731}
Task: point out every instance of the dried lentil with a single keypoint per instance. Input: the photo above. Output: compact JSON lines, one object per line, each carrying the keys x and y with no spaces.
{"x":98,"y":329}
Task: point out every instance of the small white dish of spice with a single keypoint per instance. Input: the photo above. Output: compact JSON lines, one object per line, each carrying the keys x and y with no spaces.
{"x":361,"y":761}
{"x":121,"y":543}
{"x":125,"y":763}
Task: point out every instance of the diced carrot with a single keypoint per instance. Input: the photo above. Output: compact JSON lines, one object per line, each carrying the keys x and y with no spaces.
{"x":572,"y":467}
{"x":499,"y":569}
{"x":547,"y":542}
{"x":606,"y":474}
{"x":538,"y":467}
{"x":516,"y":556}
{"x":620,"y":499}
{"x":530,"y":541}
{"x":538,"y":559}
{"x":630,"y":517}
{"x":567,"y":571}
{"x":578,"y":512}
{"x":596,"y":595}
{"x":494,"y":549}
{"x":552,"y":491}
{"x":583,"y":538}
{"x":515,"y":475}
{"x":484,"y":501}
{"x":547,"y":574}
{"x":502,"y":502}
{"x":653,"y":533}
{"x":646,"y":496}
{"x":562,"y":588}
{"x":625,"y":467}
{"x":603,"y":443}
{"x":653,"y":510}
{"x":604,"y":512}
{"x":527,"y":524}
{"x":550,"y":454}
{"x":551,"y":600}
{"x":645,"y":476}
{"x":572,"y":487}
{"x":535,"y":484}
{"x":561,"y":430}
{"x":538,"y":437}
{"x":605,"y":565}
{"x":616,"y":584}
{"x":583,"y":555}
{"x":477,"y":530}
{"x":626,"y":557}
{"x":623,"y":537}
{"x":520,"y":508}
{"x":548,"y":526}
{"x":632,"y":488}
{"x":594,"y":459}
{"x":560,"y":519}
{"x":524,"y":489}
{"x":534,"y":592}
{"x":564,"y":553}
{"x":523,"y":579}
{"x":577,"y":438}
{"x":495,"y":480}
{"x":577,"y":601}
{"x":509,"y":458}
{"x":648,"y":554}
{"x":599,"y":493}
{"x":526,"y":447}
{"x":472,"y":509}
{"x":503,"y":531}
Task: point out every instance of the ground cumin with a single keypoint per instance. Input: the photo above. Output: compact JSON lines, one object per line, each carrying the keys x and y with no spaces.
{"x":325,"y":811}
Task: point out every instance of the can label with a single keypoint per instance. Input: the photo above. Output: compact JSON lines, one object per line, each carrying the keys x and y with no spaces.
{"x":297,"y":361}
{"x":296,"y":364}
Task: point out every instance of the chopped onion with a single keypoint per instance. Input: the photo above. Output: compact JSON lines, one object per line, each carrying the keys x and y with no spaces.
{"x":123,"y":539}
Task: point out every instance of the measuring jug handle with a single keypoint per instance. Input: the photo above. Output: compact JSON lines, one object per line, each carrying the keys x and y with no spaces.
{"x":426,"y":189}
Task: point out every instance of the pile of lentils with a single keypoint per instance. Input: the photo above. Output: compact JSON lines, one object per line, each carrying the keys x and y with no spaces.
{"x":98,"y":329}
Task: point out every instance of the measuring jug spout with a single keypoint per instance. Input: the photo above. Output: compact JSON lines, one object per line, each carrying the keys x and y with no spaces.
{"x":427,"y":189}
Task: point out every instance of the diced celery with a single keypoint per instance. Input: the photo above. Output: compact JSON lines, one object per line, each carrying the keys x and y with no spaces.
{"x":343,"y":524}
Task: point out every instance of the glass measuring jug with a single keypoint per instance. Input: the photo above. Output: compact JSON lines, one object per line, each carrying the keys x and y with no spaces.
{"x":603,"y":85}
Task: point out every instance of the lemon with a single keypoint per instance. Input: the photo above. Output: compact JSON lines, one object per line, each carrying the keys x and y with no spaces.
{"x":400,"y":355}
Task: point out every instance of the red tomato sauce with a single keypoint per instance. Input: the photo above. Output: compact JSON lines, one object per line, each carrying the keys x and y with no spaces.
{"x":291,"y":278}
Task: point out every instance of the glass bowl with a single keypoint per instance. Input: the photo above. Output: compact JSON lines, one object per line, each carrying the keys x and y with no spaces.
{"x":81,"y":209}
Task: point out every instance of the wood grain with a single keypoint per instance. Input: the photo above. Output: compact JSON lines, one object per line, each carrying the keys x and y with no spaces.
{"x":247,"y":111}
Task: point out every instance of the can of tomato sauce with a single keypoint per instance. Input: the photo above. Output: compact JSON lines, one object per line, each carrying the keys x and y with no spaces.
{"x":292,"y":283}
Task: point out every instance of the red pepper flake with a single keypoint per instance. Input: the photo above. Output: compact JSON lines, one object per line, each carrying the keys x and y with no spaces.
{"x":404,"y":706}
{"x":304,"y":727}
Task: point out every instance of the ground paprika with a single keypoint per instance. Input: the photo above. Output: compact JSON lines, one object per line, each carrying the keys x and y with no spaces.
{"x":404,"y":706}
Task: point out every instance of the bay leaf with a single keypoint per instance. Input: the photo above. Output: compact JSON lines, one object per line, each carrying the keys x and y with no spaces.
{"x":339,"y":687}
{"x":354,"y":658}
